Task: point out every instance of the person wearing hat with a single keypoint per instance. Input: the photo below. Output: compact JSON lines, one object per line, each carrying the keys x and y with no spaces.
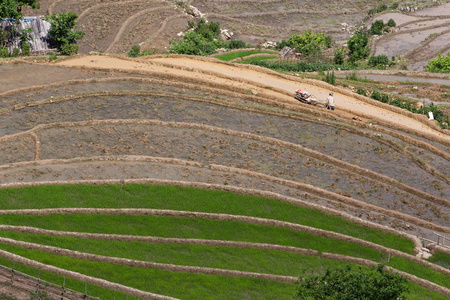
{"x":330,"y":101}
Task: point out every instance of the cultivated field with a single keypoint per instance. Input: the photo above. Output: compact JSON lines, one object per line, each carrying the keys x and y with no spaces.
{"x":182,"y":177}
{"x":202,"y":123}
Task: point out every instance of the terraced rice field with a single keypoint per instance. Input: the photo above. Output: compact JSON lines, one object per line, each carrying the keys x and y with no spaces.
{"x":91,"y":147}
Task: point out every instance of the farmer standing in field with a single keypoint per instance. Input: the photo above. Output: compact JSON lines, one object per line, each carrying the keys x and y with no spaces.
{"x":330,"y":101}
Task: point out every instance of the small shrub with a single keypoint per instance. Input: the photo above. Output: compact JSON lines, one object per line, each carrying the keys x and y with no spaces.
{"x":330,"y":78}
{"x":191,"y":24}
{"x":15,"y":52}
{"x":4,"y":52}
{"x":26,"y":49}
{"x":237,"y":44}
{"x":377,"y":27}
{"x":391,"y":23}
{"x":358,"y":46}
{"x":396,"y":102}
{"x":361,"y":92}
{"x":384,"y":98}
{"x":52,"y":56}
{"x":148,"y":52}
{"x":440,"y":64}
{"x":380,"y":8}
{"x":69,"y":49}
{"x":378,"y":61}
{"x":376,"y":95}
{"x":352,"y":76}
{"x":134,"y":51}
{"x":339,"y":56}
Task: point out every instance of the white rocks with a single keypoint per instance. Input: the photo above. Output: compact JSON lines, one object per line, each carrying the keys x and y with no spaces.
{"x":269,"y":44}
{"x":226,"y":34}
{"x":195,"y":12}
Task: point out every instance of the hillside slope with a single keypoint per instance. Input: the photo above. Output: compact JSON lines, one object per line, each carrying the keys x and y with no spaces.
{"x":199,"y":122}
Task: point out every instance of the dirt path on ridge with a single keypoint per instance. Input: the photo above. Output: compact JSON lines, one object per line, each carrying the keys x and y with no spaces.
{"x":190,"y":65}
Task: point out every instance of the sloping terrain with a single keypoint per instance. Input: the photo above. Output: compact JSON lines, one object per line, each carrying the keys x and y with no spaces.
{"x":199,"y":122}
{"x":419,"y":36}
{"x":114,"y":26}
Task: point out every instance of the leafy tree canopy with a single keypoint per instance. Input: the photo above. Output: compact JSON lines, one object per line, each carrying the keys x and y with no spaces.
{"x":309,"y":42}
{"x":440,"y":64}
{"x":12,"y":9}
{"x":358,"y":46}
{"x":353,"y":284}
{"x":61,"y":29}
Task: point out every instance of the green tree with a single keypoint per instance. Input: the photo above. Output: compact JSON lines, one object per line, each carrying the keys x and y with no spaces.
{"x":358,"y":46}
{"x":440,"y":64}
{"x":203,"y":40}
{"x":310,"y":43}
{"x":237,"y":44}
{"x":391,"y":23}
{"x":339,"y":56}
{"x":62,"y":33}
{"x":378,"y":61}
{"x":12,"y":9}
{"x":135,"y":51}
{"x":376,"y":27}
{"x":347,"y":283}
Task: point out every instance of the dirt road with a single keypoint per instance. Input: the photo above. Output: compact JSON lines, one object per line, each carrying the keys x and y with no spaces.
{"x":236,"y":75}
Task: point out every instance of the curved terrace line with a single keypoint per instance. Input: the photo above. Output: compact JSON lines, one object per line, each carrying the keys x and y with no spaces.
{"x":214,"y":271}
{"x":404,"y":121}
{"x":331,"y":196}
{"x":209,"y":67}
{"x":259,"y":99}
{"x":78,"y":276}
{"x":239,"y":190}
{"x":412,"y":54}
{"x":432,"y":134}
{"x":164,"y":24}
{"x":272,"y":141}
{"x":205,"y":242}
{"x":405,"y":138}
{"x":103,"y":5}
{"x":147,"y":264}
{"x":201,"y":215}
{"x":431,"y":170}
{"x":128,"y":22}
{"x":290,"y":11}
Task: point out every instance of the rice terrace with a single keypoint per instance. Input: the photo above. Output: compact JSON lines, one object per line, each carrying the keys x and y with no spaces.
{"x":162,"y":175}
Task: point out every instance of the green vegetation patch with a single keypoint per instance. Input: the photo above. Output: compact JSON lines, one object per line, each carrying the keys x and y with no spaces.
{"x":176,"y":284}
{"x":257,"y":58}
{"x":234,"y":55}
{"x":232,"y":258}
{"x":182,"y":227}
{"x":189,"y":199}
{"x":441,"y":259}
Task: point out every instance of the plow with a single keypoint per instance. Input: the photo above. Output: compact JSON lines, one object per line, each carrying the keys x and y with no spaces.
{"x":305,"y":97}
